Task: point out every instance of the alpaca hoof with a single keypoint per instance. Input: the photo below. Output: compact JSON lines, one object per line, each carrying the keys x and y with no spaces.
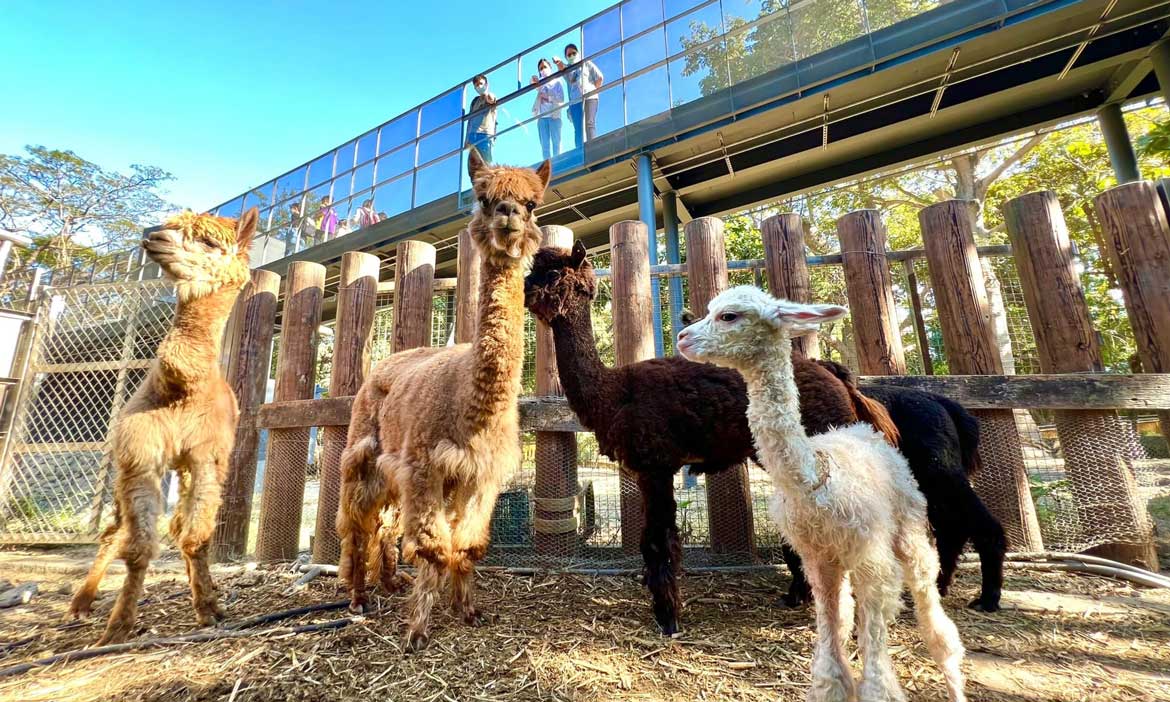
{"x":210,"y":615}
{"x":79,"y":610}
{"x":396,"y":583}
{"x":795,"y":601}
{"x":416,"y":641}
{"x":115,"y":634}
{"x":984,"y":604}
{"x":357,"y":607}
{"x":474,"y":617}
{"x":669,"y":627}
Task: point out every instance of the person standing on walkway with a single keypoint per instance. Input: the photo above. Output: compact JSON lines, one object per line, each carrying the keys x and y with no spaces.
{"x":547,"y":108}
{"x":328,"y":218}
{"x":481,"y":120}
{"x":585,"y":79}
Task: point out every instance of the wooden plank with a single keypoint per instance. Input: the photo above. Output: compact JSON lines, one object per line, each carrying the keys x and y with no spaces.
{"x":729,"y":498}
{"x":357,"y":297}
{"x":871,"y":293}
{"x":290,"y":414}
{"x":386,"y":287}
{"x":633,"y":341}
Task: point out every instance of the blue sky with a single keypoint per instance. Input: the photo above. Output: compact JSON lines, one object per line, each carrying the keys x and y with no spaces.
{"x":226,"y":95}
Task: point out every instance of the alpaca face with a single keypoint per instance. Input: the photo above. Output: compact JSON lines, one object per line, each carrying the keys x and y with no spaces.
{"x":201,"y":252}
{"x":560,"y":282}
{"x":744,"y":324}
{"x":503,"y":225}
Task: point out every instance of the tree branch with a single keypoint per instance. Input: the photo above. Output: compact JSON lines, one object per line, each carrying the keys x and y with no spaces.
{"x":982,"y":184}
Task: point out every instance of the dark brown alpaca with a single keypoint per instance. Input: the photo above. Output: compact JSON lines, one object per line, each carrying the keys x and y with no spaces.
{"x":657,"y":415}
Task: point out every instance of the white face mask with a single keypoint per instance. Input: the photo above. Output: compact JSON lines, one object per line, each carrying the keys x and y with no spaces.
{"x":481,"y":89}
{"x":574,"y":58}
{"x":545,"y":72}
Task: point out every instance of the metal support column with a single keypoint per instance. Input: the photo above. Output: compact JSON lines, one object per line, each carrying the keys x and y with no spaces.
{"x":1160,"y":57}
{"x":646,"y":214}
{"x":1121,"y":154}
{"x":670,"y":228}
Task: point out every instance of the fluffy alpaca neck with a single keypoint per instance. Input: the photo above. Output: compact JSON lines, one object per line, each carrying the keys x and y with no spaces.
{"x":499,"y":344}
{"x":774,"y":415}
{"x":583,"y":375}
{"x":189,"y":354}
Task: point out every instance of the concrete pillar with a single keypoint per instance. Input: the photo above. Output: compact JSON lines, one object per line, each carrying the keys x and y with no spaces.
{"x":1121,"y":154}
{"x":646,"y":214}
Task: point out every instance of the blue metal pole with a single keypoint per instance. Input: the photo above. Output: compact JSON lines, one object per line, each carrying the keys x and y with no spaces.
{"x":646,"y":214}
{"x":670,"y":228}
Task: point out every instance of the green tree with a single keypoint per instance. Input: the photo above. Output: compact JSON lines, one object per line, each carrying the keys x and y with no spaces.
{"x":72,"y":208}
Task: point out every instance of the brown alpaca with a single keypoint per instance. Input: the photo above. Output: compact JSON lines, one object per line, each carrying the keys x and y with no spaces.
{"x":183,"y":416}
{"x":656,"y":415}
{"x":435,"y":430}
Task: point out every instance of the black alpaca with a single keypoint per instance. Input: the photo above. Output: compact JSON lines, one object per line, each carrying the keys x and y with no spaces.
{"x":940,"y":440}
{"x":657,"y":415}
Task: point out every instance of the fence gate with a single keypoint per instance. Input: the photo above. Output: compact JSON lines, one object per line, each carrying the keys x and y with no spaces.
{"x":90,"y":350}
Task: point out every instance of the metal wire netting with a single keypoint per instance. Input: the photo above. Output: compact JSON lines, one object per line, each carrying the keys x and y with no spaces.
{"x":93,"y":348}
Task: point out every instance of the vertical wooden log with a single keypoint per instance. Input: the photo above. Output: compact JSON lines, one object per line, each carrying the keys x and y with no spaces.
{"x":633,"y":340}
{"x":948,"y":232}
{"x":788,"y":270}
{"x":288,"y":449}
{"x":467,"y":289}
{"x":871,"y":293}
{"x":1105,"y":489}
{"x":248,"y":346}
{"x":729,"y":499}
{"x":919,"y":324}
{"x":414,"y":283}
{"x":1137,"y":239}
{"x":353,"y":335}
{"x":555,"y":488}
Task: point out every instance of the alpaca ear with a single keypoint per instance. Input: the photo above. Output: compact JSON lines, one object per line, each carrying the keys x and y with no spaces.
{"x":544,"y":173}
{"x":580,"y":255}
{"x":799,"y":317}
{"x":687,"y":318}
{"x":246,"y":229}
{"x":475,"y":164}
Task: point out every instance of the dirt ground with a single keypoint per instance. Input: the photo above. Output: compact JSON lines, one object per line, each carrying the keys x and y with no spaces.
{"x":570,"y":637}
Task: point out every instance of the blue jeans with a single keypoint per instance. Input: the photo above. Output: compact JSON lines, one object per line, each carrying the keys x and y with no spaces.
{"x":549,"y":129}
{"x":482,"y":143}
{"x":577,"y":117}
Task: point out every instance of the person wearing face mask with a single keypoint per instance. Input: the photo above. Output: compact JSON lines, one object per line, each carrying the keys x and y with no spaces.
{"x":547,"y":108}
{"x":481,"y":122}
{"x":584,"y":82}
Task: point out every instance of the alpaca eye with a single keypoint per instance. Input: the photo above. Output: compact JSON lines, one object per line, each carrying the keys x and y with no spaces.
{"x":728,"y":317}
{"x":484,"y":203}
{"x":531,"y":205}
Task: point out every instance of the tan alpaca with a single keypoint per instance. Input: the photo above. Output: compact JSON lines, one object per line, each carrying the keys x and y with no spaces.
{"x":435,"y":430}
{"x":183,"y":416}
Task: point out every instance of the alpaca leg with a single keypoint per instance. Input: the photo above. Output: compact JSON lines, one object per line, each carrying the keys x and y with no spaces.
{"x":362,"y":491}
{"x":950,"y":541}
{"x":109,"y":546}
{"x":661,"y":549}
{"x":799,"y":593}
{"x":470,"y":537}
{"x":392,"y":581}
{"x":427,"y":582}
{"x":878,"y":588}
{"x":832,"y":680}
{"x":937,"y":630}
{"x":427,"y":543}
{"x":140,"y":500}
{"x":199,"y":505}
{"x":991,"y":544}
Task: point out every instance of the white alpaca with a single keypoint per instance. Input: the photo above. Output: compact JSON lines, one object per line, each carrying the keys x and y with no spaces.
{"x":845,"y":500}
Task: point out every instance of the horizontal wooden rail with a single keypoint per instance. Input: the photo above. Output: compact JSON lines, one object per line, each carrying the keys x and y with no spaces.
{"x":680,"y":269}
{"x":1149,"y":391}
{"x":91,"y":366}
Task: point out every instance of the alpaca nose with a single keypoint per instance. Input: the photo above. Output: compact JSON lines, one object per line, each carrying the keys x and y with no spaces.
{"x":684,"y":334}
{"x":507,"y":208}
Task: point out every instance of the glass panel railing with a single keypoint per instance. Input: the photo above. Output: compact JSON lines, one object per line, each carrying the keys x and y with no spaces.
{"x":440,"y":142}
{"x":643,"y":52}
{"x":673,"y":8}
{"x":398,"y":132}
{"x":437,"y":180}
{"x":601,"y":32}
{"x":694,"y":28}
{"x":820,"y":25}
{"x":363,"y":177}
{"x":342,"y":185}
{"x":367,"y":147}
{"x":647,"y":94}
{"x":394,"y":197}
{"x":345,"y":157}
{"x":640,"y":15}
{"x":290,"y":184}
{"x":321,"y":170}
{"x":395,"y":163}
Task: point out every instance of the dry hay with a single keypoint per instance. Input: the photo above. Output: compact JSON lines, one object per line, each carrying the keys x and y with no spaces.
{"x":574,"y":637}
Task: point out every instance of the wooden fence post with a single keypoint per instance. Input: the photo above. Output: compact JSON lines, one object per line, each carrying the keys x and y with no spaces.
{"x":1104,"y":487}
{"x":633,"y":341}
{"x":784,"y":258}
{"x":353,"y":335}
{"x":948,"y":233}
{"x":1137,"y":237}
{"x":248,"y":342}
{"x":729,"y":499}
{"x":466,"y":289}
{"x":919,"y":324}
{"x":281,"y":501}
{"x":871,"y":294}
{"x":414,"y":282}
{"x":555,"y":487}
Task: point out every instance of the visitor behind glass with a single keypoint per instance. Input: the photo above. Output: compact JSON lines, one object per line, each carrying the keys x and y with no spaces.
{"x":365,"y":215}
{"x":304,"y":230}
{"x":584,"y":80}
{"x":327,"y":220}
{"x":547,"y":108}
{"x":481,"y":124}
